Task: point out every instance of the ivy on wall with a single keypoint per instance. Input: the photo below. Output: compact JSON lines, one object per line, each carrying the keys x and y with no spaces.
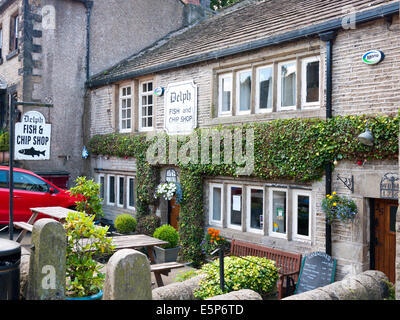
{"x":289,"y":149}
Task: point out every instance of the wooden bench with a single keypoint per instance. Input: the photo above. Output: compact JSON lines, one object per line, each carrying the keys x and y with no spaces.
{"x":165,"y":269}
{"x":288,"y":264}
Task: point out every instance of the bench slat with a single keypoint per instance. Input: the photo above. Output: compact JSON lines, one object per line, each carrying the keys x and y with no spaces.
{"x":166,"y":266}
{"x":24,"y":225}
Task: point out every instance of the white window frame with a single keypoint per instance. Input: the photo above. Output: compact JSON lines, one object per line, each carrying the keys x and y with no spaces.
{"x":211,"y":202}
{"x":148,"y":93}
{"x":228,"y":200}
{"x":304,"y":104}
{"x":104,"y":186}
{"x":118,"y":190}
{"x":128,"y":191}
{"x":108,"y":190}
{"x":121,"y":98}
{"x":220,"y":78}
{"x":279,"y":87}
{"x":238,"y":112}
{"x":295,"y":235}
{"x":257,"y":107}
{"x":271,"y":213}
{"x":248,"y":210}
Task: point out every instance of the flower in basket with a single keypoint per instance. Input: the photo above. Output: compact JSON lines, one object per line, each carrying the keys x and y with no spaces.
{"x":339,"y":207}
{"x":168,"y":190}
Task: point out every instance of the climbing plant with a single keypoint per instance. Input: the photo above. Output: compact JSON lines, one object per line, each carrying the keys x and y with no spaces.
{"x":289,"y":149}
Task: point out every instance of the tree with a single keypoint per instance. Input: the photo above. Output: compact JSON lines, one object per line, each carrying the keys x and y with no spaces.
{"x":218,"y":4}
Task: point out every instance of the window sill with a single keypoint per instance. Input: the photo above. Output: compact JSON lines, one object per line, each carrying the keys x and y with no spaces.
{"x":12,"y":54}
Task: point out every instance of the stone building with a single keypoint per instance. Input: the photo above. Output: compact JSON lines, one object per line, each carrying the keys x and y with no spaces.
{"x":254,"y":62}
{"x":49,"y":48}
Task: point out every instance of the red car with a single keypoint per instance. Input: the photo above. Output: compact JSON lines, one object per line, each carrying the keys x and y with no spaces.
{"x":30,"y":191}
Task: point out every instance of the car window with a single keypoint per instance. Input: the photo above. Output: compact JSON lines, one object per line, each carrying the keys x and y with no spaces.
{"x":3,"y":179}
{"x":27,"y":182}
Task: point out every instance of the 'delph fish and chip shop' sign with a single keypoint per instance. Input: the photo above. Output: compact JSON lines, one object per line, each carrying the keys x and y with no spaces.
{"x":317,"y":270}
{"x":180,"y":108}
{"x":32,"y":137}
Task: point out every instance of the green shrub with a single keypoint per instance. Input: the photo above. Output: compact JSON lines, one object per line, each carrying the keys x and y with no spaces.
{"x":167,"y":233}
{"x":186,"y":275}
{"x":4,"y":141}
{"x":148,"y":224}
{"x":88,"y":193}
{"x":254,"y":273}
{"x":83,"y":273}
{"x":125,"y":223}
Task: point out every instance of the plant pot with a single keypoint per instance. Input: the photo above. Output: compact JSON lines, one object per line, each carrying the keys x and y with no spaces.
{"x":96,"y":296}
{"x":162,"y":255}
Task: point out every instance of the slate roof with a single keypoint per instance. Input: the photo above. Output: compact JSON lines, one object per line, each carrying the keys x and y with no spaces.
{"x":248,"y":27}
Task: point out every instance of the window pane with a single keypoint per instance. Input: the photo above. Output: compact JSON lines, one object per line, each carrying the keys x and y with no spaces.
{"x":312,"y":82}
{"x":303,"y":215}
{"x":279,"y":211}
{"x":27,"y":182}
{"x":288,"y":85}
{"x":3,"y":179}
{"x":236,"y":206}
{"x":111,"y":194}
{"x":216,"y":209}
{"x":144,"y":87}
{"x":393,"y":211}
{"x":131,"y":200}
{"x":226,"y":92}
{"x":265,"y":88}
{"x":256,"y":208}
{"x":121,"y":191}
{"x":128,"y":91}
{"x":102,"y":187}
{"x":150,"y":122}
{"x":244,"y":90}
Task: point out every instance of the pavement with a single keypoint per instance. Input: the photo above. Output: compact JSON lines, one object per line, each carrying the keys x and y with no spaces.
{"x":171,"y":278}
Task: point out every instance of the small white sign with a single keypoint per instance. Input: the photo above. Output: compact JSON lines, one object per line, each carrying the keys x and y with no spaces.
{"x":32,"y":137}
{"x":237,"y":203}
{"x":373,"y":57}
{"x":180,"y":108}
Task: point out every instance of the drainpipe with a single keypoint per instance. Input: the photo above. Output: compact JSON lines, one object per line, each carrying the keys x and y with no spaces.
{"x":329,"y":38}
{"x":88,"y":5}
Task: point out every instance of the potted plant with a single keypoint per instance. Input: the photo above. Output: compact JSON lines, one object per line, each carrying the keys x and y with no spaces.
{"x":169,"y":252}
{"x":339,"y":207}
{"x":88,"y":192}
{"x":168,"y":190}
{"x":85,"y":242}
{"x":125,"y":224}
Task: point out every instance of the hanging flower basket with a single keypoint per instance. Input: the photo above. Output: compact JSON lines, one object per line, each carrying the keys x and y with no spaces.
{"x":168,"y":190}
{"x":340,"y":208}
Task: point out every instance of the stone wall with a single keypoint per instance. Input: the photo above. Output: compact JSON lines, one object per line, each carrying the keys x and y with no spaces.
{"x":369,"y":285}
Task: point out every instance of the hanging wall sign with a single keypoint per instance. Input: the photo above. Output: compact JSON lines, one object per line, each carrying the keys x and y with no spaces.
{"x":32,"y":137}
{"x":373,"y":57}
{"x":389,"y":186}
{"x":180,"y":108}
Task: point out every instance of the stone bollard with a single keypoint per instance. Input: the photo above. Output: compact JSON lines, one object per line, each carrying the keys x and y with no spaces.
{"x":128,"y":276}
{"x":47,"y":265}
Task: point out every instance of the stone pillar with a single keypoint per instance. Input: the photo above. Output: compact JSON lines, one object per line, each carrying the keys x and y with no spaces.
{"x":127,"y":276}
{"x":47,"y":265}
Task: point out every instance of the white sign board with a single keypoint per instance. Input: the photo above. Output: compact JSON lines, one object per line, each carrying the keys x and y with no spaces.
{"x":32,"y":137}
{"x":180,"y":108}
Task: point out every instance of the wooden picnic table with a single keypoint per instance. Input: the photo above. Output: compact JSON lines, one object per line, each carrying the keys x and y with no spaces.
{"x":58,"y":213}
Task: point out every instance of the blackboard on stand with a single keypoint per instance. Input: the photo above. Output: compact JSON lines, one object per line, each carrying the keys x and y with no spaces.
{"x":317,"y":270}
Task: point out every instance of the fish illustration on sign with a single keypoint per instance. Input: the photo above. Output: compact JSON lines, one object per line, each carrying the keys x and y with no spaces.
{"x":32,"y":152}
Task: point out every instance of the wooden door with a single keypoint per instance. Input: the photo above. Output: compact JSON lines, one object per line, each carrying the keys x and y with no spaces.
{"x":385,"y":237}
{"x":174,"y":210}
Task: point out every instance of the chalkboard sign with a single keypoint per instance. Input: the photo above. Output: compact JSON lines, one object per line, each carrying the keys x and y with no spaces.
{"x":317,"y":270}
